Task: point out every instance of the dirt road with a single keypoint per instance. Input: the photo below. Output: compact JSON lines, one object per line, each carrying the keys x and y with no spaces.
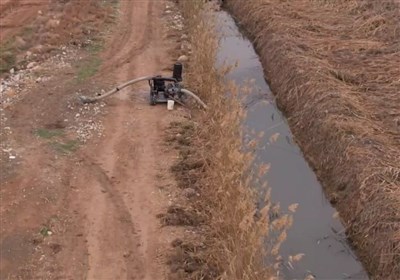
{"x":130,"y":155}
{"x":100,"y":203}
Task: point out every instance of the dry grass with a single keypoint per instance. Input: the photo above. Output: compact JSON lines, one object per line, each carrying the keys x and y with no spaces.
{"x":334,"y":67}
{"x":234,"y":239}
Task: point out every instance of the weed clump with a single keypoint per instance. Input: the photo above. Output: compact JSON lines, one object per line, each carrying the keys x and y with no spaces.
{"x":7,"y":57}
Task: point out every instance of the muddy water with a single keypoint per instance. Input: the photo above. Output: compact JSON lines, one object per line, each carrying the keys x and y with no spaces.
{"x":315,"y":231}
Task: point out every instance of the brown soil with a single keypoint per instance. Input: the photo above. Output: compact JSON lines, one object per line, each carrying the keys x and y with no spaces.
{"x":334,"y":68}
{"x":91,"y":213}
{"x":15,"y":14}
{"x":41,"y":27}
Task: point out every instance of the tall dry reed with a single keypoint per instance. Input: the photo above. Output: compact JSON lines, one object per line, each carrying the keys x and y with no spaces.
{"x":238,"y":235}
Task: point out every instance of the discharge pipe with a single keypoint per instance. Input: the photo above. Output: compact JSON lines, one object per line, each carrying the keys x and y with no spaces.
{"x":85,"y":99}
{"x":195,"y":97}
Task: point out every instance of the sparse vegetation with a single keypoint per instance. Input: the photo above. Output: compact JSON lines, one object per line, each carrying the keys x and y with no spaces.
{"x":7,"y":57}
{"x":96,"y":46}
{"x":58,"y":141}
{"x":65,"y":147}
{"x":45,"y":231}
{"x":89,"y":68}
{"x":236,"y":240}
{"x":75,"y":23}
{"x":49,"y":133}
{"x":334,"y":68}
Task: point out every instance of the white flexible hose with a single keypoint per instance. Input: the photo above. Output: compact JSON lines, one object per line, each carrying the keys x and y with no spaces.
{"x":86,"y":99}
{"x":195,"y":97}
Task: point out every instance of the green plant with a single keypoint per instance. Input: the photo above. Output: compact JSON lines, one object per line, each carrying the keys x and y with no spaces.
{"x":65,"y":148}
{"x":48,"y":133}
{"x":89,"y":68}
{"x":45,"y":231}
{"x":7,"y":57}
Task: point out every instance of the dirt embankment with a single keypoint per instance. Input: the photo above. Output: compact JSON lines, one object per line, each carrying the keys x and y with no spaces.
{"x":334,"y":68}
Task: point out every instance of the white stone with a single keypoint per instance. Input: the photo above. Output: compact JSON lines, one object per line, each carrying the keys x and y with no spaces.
{"x":183,"y":58}
{"x":31,"y":65}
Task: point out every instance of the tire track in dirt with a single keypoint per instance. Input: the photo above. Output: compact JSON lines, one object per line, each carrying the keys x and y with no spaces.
{"x":130,"y":42}
{"x":110,"y":226}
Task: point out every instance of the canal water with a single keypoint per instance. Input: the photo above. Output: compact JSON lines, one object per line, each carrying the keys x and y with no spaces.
{"x":316,"y":232}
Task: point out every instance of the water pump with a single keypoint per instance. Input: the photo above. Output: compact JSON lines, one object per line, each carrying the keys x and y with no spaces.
{"x":162,"y":88}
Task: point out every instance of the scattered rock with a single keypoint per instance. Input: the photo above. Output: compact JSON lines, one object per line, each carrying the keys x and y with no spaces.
{"x":19,"y":42}
{"x":185,"y":46}
{"x":11,"y":93}
{"x":183,"y":58}
{"x":189,"y":192}
{"x":12,"y":71}
{"x":38,"y":49}
{"x":52,"y":23}
{"x":31,"y":65}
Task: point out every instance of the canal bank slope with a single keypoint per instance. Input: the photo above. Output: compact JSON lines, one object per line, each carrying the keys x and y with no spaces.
{"x":333,"y":66}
